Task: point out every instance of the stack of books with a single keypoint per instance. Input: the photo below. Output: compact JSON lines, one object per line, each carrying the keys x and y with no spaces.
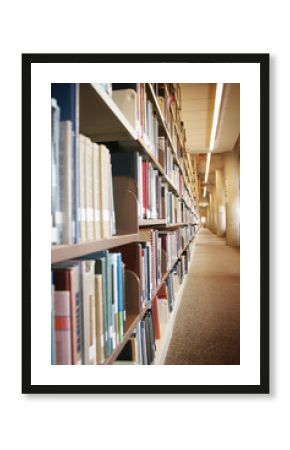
{"x":88,"y":304}
{"x":82,"y":201}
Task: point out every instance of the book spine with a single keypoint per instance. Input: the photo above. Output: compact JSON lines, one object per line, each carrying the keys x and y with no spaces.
{"x":113,"y":228}
{"x":76,"y":224}
{"x":82,"y":189}
{"x":114,"y":300}
{"x":89,"y":312}
{"x":62,"y":327}
{"x":89,"y":190}
{"x":120,"y":308}
{"x":55,"y":167}
{"x":96,"y":192}
{"x":66,"y":170}
{"x":52,"y":323}
{"x":109,"y":302}
{"x":78,"y":315}
{"x":100,"y":341}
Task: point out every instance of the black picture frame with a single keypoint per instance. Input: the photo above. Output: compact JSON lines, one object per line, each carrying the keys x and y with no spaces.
{"x":263,"y":61}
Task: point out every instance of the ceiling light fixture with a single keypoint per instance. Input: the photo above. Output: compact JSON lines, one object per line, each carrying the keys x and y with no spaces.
{"x":216,"y":112}
{"x":204,"y":191}
{"x":217,"y":106}
{"x":207,"y":167}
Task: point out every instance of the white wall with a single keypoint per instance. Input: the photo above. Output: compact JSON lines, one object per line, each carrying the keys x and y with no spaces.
{"x":204,"y":422}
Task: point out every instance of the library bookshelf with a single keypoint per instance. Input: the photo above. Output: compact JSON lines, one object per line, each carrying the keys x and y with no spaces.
{"x":141,"y":232}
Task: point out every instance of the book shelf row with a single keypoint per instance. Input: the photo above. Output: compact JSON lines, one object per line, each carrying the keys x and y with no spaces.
{"x":94,"y":189}
{"x":168,"y":106}
{"x":96,"y":115}
{"x":123,"y":219}
{"x":160,"y":314}
{"x":99,"y":300}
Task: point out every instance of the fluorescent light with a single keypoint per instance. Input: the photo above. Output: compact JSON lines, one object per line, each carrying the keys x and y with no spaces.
{"x":204,"y":191}
{"x":217,"y":105}
{"x":207,"y":167}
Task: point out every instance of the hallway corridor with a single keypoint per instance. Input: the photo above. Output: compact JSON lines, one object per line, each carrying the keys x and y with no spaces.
{"x":207,"y":326}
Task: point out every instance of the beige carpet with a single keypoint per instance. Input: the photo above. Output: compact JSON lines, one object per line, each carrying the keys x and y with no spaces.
{"x":207,"y":325}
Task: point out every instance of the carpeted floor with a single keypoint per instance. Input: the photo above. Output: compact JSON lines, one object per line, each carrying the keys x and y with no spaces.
{"x":207,"y":325}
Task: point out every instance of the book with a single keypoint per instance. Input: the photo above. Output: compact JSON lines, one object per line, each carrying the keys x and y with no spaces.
{"x":110,"y":267}
{"x":55,"y":166}
{"x":66,"y":181}
{"x":89,"y":202}
{"x":105,"y":204}
{"x":100,"y":325}
{"x":67,"y":279}
{"x":89,"y":313}
{"x":101,"y":270}
{"x":62,"y":324}
{"x":67,"y":97}
{"x":52,"y":343}
{"x":82,"y":188}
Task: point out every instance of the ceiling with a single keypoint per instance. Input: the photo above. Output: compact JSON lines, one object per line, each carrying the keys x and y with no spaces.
{"x":197,"y":112}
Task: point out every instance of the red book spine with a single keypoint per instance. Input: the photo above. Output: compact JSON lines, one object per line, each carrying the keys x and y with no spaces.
{"x":63,"y":281}
{"x":62,"y":326}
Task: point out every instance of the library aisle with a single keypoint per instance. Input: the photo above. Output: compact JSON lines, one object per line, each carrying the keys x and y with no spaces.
{"x":138,"y":171}
{"x":207,"y":325}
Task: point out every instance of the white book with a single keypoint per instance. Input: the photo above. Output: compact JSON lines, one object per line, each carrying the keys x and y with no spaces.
{"x":141,"y":210}
{"x":89,"y":311}
{"x":89,"y":190}
{"x":104,"y":168}
{"x":55,"y":144}
{"x":82,"y":189}
{"x":113,"y":228}
{"x":96,"y":192}
{"x":115,"y":299}
{"x":66,"y":180}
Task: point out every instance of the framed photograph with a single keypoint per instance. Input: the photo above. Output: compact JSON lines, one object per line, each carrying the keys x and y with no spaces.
{"x":145,"y":223}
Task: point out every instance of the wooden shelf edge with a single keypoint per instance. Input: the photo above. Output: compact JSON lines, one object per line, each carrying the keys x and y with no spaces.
{"x":151,"y":222}
{"x":61,"y":253}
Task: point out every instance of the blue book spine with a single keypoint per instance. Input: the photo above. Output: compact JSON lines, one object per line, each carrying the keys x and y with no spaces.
{"x":120,"y":298}
{"x":67,"y":97}
{"x":109,"y":303}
